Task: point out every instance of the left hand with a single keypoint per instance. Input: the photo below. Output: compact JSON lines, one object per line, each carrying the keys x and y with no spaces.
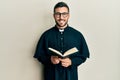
{"x":66,"y":62}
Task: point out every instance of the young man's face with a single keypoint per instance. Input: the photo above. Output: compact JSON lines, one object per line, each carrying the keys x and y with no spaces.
{"x":61,"y":16}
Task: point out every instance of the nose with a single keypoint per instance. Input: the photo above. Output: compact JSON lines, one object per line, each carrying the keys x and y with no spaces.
{"x":61,"y":16}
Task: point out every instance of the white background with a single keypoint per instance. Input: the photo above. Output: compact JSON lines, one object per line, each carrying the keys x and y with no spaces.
{"x":23,"y":21}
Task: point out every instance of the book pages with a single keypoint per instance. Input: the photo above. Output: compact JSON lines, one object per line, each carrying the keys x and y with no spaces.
{"x":68,"y":52}
{"x":55,"y":51}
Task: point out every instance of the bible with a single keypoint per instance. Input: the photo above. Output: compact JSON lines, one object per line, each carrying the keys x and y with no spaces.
{"x":67,"y":53}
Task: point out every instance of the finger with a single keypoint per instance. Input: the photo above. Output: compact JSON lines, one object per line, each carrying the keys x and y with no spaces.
{"x":65,"y":65}
{"x":60,"y":59}
{"x":57,"y":61}
{"x":63,"y":60}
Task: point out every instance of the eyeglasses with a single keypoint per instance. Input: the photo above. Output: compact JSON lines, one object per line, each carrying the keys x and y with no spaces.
{"x":58,"y":14}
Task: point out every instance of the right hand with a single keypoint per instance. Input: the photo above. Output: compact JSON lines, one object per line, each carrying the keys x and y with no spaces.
{"x":55,"y":59}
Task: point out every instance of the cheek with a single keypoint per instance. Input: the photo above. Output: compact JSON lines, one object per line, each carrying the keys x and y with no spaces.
{"x":66,"y":19}
{"x":56,"y":18}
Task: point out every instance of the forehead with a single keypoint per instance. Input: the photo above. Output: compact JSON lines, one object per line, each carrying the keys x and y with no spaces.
{"x":61,"y":9}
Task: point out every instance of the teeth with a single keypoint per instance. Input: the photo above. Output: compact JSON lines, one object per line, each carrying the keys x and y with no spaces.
{"x":61,"y":21}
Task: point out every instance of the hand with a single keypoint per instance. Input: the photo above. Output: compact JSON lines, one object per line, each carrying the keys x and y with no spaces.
{"x":66,"y":62}
{"x":55,"y":60}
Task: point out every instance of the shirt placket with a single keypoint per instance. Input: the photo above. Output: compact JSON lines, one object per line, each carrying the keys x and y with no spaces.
{"x":61,"y":39}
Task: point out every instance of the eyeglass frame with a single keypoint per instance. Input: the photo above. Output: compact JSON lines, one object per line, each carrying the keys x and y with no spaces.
{"x":64,"y":14}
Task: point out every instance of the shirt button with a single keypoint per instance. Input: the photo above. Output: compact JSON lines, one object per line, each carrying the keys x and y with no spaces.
{"x":61,"y":51}
{"x":61,"y":38}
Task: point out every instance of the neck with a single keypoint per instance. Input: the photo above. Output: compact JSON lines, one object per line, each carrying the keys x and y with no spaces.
{"x":63,"y":27}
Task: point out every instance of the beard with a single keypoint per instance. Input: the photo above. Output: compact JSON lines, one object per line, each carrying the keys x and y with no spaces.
{"x":61,"y":25}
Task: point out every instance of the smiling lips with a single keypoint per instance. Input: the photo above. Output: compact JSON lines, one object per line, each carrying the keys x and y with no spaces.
{"x":61,"y":21}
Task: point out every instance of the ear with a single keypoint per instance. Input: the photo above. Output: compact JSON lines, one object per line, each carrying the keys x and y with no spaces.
{"x":68,"y":15}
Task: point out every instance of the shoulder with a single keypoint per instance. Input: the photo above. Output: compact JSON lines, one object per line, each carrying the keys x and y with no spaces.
{"x":48,"y":31}
{"x":77,"y":34}
{"x":75,"y":31}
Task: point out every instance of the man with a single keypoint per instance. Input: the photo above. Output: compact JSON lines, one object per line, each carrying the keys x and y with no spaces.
{"x":61,"y":37}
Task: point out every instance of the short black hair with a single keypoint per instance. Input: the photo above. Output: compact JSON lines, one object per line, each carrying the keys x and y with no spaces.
{"x":61,"y":4}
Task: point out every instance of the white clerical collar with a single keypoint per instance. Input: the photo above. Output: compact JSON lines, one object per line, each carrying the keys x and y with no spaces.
{"x":61,"y":30}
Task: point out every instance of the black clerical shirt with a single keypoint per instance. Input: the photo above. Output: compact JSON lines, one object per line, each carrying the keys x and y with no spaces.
{"x":61,"y":40}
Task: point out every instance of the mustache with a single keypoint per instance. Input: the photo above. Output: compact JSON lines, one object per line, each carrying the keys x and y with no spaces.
{"x":61,"y":20}
{"x":60,"y":25}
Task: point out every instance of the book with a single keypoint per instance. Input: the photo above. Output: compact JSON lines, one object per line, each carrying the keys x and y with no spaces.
{"x":67,"y":53}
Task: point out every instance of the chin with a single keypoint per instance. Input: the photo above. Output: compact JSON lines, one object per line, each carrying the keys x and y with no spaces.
{"x":61,"y":25}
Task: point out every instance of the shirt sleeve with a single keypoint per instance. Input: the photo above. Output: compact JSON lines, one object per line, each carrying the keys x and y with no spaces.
{"x":41,"y":51}
{"x":81,"y":56}
{"x":77,"y":59}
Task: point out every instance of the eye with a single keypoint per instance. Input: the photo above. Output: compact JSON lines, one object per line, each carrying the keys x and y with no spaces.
{"x":57,"y":13}
{"x":64,"y":14}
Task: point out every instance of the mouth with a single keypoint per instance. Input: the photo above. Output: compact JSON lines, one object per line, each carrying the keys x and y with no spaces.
{"x":61,"y":21}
